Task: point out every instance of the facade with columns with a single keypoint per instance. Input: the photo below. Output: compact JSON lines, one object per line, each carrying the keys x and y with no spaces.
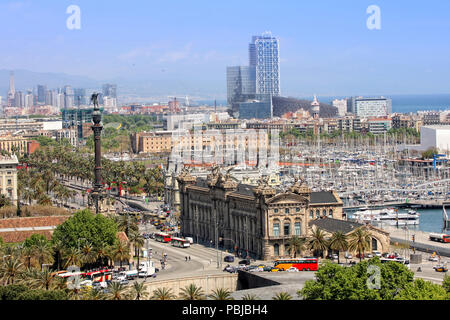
{"x":256,"y":220}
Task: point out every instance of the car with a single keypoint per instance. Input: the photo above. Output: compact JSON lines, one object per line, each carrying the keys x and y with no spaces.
{"x":228,"y":259}
{"x":292,"y":269}
{"x":369,"y":255}
{"x":267,"y":268}
{"x":433,"y":258}
{"x":275,"y":270}
{"x":377,"y":254}
{"x":348,"y":256}
{"x":245,"y":262}
{"x":334,"y":256}
{"x":230,"y":269}
{"x":360,"y":255}
{"x":440,"y":268}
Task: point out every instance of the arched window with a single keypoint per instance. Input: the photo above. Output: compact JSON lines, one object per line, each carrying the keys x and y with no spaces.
{"x":311,"y":214}
{"x":276,"y":249}
{"x":317,"y":213}
{"x":330,"y":213}
{"x":324,"y":212}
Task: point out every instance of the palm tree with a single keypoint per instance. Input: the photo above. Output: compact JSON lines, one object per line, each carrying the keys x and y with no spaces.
{"x":117,"y":291}
{"x":10,"y":269}
{"x":339,"y":242}
{"x":121,"y":251}
{"x":27,"y":254}
{"x":42,"y":279}
{"x":250,"y":296}
{"x":296,"y":245}
{"x":58,"y":249}
{"x":87,"y":254}
{"x":317,"y":242}
{"x":221,"y":294}
{"x":282,"y":296}
{"x":127,"y":224}
{"x":138,"y":242}
{"x":43,"y":252}
{"x":163,"y":294}
{"x":72,"y":257}
{"x":139,"y":291}
{"x":94,"y":294}
{"x":192,"y":292}
{"x":359,"y":241}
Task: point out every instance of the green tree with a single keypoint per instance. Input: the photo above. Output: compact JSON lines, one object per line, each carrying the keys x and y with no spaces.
{"x":282,"y":296}
{"x":250,"y":296}
{"x":192,"y":292}
{"x":117,"y":291}
{"x":359,"y":240}
{"x":296,"y":245}
{"x":221,"y":294}
{"x":421,"y":290}
{"x":446,"y":283}
{"x":318,"y":242}
{"x":84,"y":225}
{"x":339,"y":242}
{"x":139,"y":291}
{"x":163,"y":294}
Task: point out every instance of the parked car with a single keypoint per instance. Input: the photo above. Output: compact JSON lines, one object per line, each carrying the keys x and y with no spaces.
{"x":440,"y":268}
{"x":292,"y":269}
{"x":376,"y":253}
{"x":228,"y":259}
{"x":334,"y":256}
{"x":348,"y":256}
{"x":369,"y":255}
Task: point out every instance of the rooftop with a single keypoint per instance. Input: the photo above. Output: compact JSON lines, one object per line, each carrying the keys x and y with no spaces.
{"x":332,"y":225}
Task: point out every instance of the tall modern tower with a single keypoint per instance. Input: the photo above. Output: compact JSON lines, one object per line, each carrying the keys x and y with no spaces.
{"x":41,"y":93}
{"x":264,"y":56}
{"x":12,"y":90}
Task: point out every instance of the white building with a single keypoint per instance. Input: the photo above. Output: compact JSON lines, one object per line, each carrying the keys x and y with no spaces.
{"x":435,"y":136}
{"x":341,"y":105}
{"x":184,"y":121}
{"x":371,"y":107}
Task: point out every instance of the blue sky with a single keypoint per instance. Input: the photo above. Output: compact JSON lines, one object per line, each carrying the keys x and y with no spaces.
{"x":325,"y":46}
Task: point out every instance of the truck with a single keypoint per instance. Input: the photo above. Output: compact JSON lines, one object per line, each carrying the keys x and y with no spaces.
{"x":127,"y":275}
{"x":146,"y":269}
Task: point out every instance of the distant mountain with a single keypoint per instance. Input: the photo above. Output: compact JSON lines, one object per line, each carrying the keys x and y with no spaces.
{"x":27,"y":80}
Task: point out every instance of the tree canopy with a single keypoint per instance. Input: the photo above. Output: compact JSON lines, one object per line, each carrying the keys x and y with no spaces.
{"x":85,"y":227}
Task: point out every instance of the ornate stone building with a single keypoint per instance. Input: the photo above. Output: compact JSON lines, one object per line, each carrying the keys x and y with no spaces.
{"x":254,"y":219}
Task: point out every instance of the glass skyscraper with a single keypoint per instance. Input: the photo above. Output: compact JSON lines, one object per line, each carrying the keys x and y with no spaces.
{"x":241,"y":83}
{"x":264,"y":56}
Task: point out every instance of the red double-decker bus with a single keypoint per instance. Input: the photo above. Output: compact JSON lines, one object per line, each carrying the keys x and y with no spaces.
{"x":308,"y":264}
{"x":163,"y":237}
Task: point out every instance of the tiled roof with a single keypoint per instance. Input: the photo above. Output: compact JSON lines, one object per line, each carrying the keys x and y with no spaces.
{"x":332,"y":225}
{"x":323,"y":197}
{"x":19,"y":229}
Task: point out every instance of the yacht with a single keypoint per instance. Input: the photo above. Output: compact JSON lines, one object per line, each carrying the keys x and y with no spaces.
{"x":387,"y":216}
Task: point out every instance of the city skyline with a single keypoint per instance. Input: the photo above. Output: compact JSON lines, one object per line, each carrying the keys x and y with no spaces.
{"x":327,"y":48}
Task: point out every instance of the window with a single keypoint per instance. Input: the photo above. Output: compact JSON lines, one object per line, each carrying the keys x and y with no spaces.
{"x":297,"y":209}
{"x":9,"y":182}
{"x":317,"y":213}
{"x":275,"y":210}
{"x":276,"y":229}
{"x":287,"y":228}
{"x":297,"y":229}
{"x":276,"y":249}
{"x":324,"y":212}
{"x":330,"y":213}
{"x":311,"y":214}
{"x":286,"y":210}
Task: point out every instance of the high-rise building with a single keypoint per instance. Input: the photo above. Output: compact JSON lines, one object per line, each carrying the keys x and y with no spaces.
{"x":80,"y":97}
{"x":19,"y":99}
{"x":371,"y":107}
{"x":12,"y":91}
{"x":341,"y":106}
{"x":264,"y":55}
{"x":68,"y":97}
{"x":241,"y":84}
{"x":41,"y":93}
{"x":28,"y":100}
{"x":110,"y":90}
